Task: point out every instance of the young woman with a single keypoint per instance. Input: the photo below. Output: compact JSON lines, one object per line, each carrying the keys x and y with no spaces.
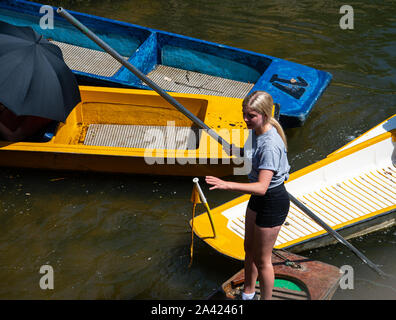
{"x":269,"y":202}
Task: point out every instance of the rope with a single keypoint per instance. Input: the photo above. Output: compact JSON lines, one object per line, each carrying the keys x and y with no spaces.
{"x":287,"y":261}
{"x":192,"y":235}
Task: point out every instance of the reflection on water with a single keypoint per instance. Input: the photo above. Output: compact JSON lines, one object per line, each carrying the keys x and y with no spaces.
{"x":127,"y":237}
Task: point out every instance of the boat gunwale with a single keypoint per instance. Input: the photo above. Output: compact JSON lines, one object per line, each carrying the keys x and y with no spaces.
{"x":342,"y":154}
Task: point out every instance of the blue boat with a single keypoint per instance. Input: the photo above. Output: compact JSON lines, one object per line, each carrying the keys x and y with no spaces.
{"x":176,"y":63}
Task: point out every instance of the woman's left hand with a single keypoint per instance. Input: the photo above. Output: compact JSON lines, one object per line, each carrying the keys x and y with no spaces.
{"x":217,"y":183}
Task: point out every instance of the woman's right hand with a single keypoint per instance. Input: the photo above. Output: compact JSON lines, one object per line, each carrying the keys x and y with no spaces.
{"x":217,"y":183}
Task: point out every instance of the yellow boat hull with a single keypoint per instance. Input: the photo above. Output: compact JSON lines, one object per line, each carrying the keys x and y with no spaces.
{"x":117,"y":116}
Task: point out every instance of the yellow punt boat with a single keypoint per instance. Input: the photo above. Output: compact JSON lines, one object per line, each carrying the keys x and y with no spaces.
{"x":137,"y":131}
{"x":353,"y":191}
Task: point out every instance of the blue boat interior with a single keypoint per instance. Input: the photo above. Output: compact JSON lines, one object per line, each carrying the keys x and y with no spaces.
{"x":294,"y":86}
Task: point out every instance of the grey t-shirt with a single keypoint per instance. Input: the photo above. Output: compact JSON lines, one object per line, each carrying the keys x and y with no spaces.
{"x":269,"y":152}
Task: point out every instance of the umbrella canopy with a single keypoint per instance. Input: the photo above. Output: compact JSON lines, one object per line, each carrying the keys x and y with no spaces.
{"x":34,"y":79}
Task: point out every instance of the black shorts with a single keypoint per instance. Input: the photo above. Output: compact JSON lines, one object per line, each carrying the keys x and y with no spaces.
{"x":271,"y":208}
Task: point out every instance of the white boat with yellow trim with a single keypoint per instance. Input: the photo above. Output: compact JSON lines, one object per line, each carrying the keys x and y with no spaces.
{"x":353,"y":191}
{"x":137,"y":131}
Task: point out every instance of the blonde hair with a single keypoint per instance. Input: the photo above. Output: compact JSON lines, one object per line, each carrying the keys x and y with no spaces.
{"x":262,"y":102}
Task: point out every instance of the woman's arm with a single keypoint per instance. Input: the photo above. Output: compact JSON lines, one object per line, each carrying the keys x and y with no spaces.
{"x":257,"y":188}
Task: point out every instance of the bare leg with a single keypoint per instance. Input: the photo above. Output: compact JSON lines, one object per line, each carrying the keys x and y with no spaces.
{"x":264,"y":242}
{"x":250,"y":267}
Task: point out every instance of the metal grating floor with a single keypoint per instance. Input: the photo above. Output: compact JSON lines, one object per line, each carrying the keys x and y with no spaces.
{"x":136,"y":136}
{"x":185,"y":81}
{"x":100,"y":63}
{"x":88,"y":60}
{"x":337,"y":204}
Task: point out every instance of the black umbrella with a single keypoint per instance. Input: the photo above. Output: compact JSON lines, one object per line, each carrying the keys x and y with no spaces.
{"x":34,"y":79}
